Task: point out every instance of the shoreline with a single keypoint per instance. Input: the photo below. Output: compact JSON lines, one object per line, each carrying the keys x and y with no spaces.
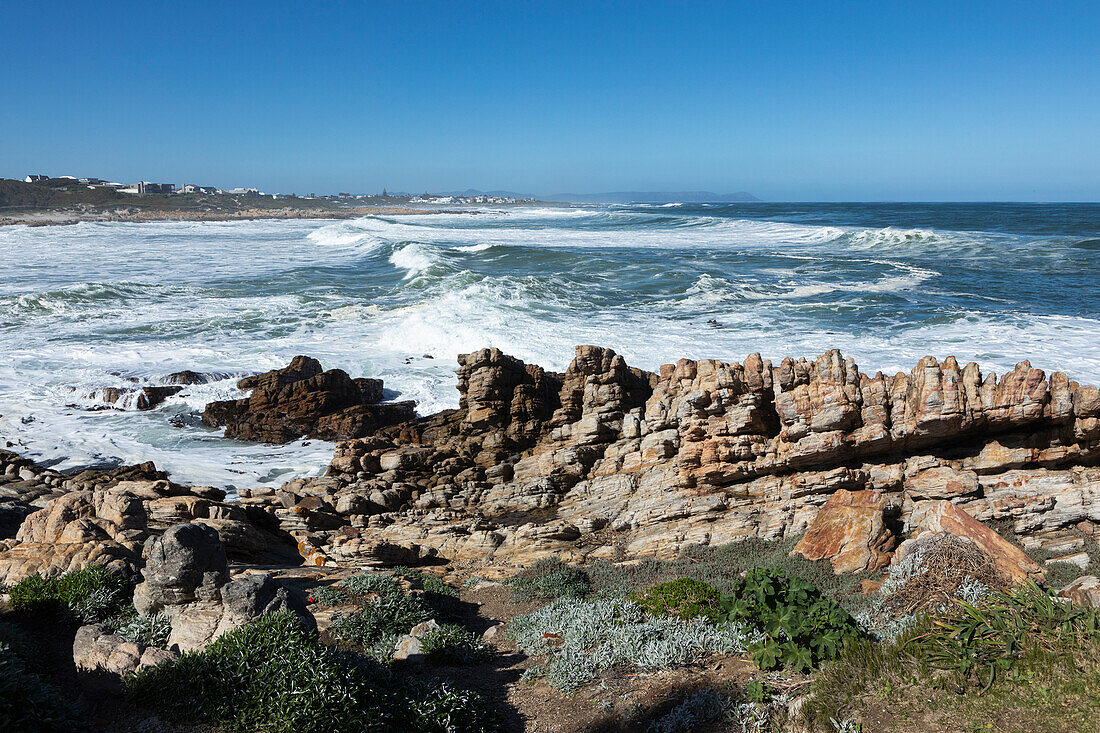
{"x":67,"y":217}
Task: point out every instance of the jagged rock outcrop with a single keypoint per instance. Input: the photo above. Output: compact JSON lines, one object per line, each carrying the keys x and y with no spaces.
{"x":302,"y":400}
{"x":186,"y":575}
{"x":606,"y":460}
{"x":106,"y":517}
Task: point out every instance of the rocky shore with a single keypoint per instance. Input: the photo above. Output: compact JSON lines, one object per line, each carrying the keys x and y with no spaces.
{"x":135,"y":214}
{"x":602,"y":463}
{"x":606,"y":461}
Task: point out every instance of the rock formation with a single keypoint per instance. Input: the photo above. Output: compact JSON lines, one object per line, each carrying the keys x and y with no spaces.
{"x":105,"y":517}
{"x":104,"y":658}
{"x":606,"y":460}
{"x":609,"y":461}
{"x":186,"y":575}
{"x":850,"y":531}
{"x":302,"y":400}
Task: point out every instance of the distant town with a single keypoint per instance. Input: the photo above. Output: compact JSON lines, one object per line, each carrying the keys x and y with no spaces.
{"x":142,"y":188}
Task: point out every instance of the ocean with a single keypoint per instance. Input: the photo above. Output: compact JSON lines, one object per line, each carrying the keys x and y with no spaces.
{"x":97,"y":305}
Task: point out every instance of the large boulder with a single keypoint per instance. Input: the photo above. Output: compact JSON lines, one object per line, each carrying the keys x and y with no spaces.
{"x":302,"y":400}
{"x":850,"y":532}
{"x":932,"y":517}
{"x":187,"y":563}
{"x":73,"y":531}
{"x":187,"y":576}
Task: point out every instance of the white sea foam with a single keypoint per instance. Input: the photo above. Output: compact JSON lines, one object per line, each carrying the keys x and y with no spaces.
{"x":414,"y":258}
{"x":92,"y":306}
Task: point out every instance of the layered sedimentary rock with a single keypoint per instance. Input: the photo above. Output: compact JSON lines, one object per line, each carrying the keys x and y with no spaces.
{"x":606,"y":460}
{"x":609,"y":461}
{"x":302,"y":400}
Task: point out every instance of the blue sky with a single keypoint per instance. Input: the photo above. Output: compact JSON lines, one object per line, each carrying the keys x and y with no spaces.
{"x":791,"y":101}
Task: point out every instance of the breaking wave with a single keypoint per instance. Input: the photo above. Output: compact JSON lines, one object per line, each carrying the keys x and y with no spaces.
{"x":400,"y":297}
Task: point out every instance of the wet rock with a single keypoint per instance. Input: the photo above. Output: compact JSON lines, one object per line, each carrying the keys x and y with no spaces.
{"x":188,"y":377}
{"x":302,"y":400}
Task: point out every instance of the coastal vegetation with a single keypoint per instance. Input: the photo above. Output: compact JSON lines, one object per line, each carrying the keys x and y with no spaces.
{"x":273,"y":675}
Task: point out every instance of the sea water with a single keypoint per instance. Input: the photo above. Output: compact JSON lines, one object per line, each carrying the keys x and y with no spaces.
{"x":97,"y":305}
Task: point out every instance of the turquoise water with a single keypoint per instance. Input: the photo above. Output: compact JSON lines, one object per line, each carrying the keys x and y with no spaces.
{"x":96,"y":305}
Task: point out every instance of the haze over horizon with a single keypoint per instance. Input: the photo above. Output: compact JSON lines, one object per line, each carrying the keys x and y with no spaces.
{"x":786,"y":101}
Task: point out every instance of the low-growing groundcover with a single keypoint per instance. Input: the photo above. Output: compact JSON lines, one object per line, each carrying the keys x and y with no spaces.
{"x":583,"y":638}
{"x":272,"y":675}
{"x":1016,"y":660}
{"x":723,"y":567}
{"x":547,"y":579}
{"x":390,"y":614}
{"x":87,"y":595}
{"x":452,"y":644}
{"x":684,"y":598}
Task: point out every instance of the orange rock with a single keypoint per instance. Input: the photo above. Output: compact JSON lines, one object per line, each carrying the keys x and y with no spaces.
{"x":943,"y":516}
{"x":867,"y":586}
{"x":849,"y":530}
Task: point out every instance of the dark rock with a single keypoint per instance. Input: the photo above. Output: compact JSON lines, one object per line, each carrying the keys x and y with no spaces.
{"x":246,"y":599}
{"x":302,"y":400}
{"x":188,"y":377}
{"x":12,"y":514}
{"x":150,"y":397}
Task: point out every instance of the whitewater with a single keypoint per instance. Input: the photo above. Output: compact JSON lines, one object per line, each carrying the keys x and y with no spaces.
{"x":99,"y":305}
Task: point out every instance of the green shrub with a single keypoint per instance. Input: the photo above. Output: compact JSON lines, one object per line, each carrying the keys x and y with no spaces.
{"x":437,"y":707}
{"x":441,"y":598}
{"x":1020,"y":653}
{"x":452,"y":644}
{"x":549,"y":578}
{"x":87,"y":595}
{"x":374,"y":619}
{"x":272,"y":675}
{"x":329,"y":595}
{"x":976,"y":642}
{"x":684,"y":598}
{"x":26,"y":702}
{"x":801,"y":626}
{"x":381,"y":584}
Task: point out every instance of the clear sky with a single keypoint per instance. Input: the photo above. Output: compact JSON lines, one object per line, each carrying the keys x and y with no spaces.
{"x":881,"y":100}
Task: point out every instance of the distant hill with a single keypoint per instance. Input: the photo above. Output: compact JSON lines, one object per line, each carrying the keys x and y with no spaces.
{"x":20,"y":195}
{"x":652,"y":197}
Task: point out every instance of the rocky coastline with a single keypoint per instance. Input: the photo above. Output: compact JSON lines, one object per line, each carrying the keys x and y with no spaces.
{"x":603,"y":463}
{"x":135,"y":214}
